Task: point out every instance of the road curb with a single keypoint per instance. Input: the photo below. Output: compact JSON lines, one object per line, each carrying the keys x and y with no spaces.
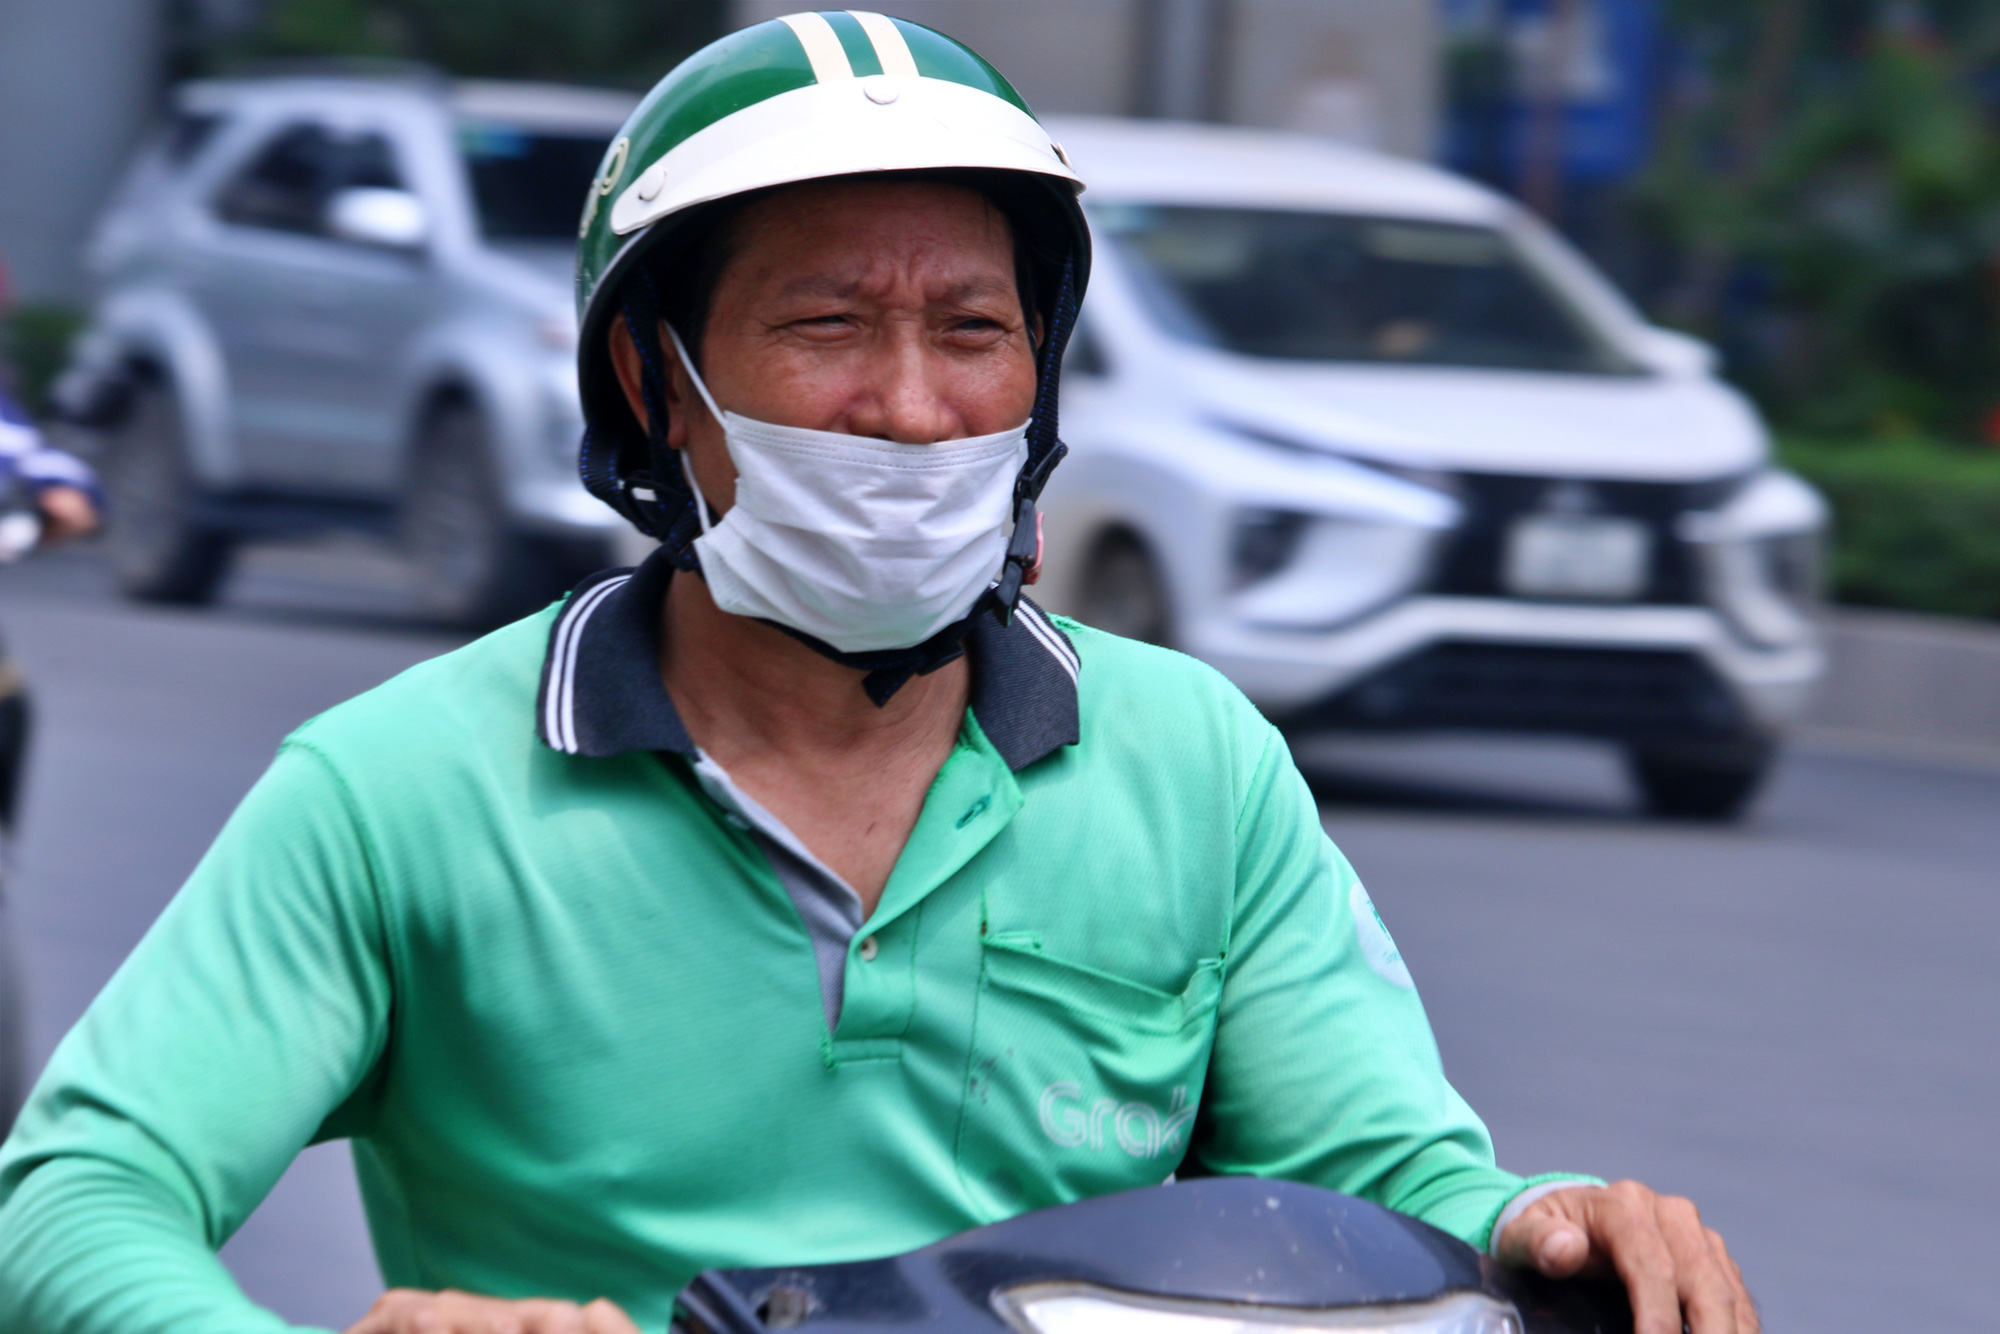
{"x":1906,"y":686}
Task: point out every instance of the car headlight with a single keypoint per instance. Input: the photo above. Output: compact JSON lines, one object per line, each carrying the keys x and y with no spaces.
{"x":1763,"y":555}
{"x":1264,"y":543}
{"x":1295,"y":571}
{"x":1363,"y":533}
{"x":1075,"y":1308}
{"x":1793,"y":565}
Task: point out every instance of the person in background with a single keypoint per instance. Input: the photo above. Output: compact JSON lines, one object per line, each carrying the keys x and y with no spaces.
{"x":66,"y":494}
{"x":64,"y":488}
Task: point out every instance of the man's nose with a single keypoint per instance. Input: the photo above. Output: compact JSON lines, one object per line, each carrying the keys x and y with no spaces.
{"x":909,"y":404}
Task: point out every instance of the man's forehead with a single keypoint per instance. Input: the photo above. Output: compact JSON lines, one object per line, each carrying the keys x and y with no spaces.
{"x":854,"y":283}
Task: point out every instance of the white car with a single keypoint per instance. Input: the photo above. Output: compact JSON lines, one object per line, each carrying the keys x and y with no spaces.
{"x":1388,"y":453}
{"x":346,"y":301}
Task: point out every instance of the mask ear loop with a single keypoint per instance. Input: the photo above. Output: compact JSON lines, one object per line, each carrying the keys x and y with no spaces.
{"x":687,"y":469}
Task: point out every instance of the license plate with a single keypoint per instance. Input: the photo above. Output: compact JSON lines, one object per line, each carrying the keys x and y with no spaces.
{"x":1576,"y":556}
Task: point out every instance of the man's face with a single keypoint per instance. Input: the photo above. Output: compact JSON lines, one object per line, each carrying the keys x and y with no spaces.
{"x":876,"y":309}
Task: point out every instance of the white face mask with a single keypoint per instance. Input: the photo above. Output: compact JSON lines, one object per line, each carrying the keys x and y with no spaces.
{"x":864,"y":544}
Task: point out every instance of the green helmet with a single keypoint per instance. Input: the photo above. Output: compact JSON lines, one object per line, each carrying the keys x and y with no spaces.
{"x":800,"y":98}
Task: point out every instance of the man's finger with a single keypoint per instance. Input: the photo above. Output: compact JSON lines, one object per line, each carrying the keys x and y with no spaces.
{"x":489,"y":1316}
{"x":381,"y":1317}
{"x":1545,"y":1239}
{"x":450,"y":1312}
{"x":1708,"y":1301}
{"x":606,"y":1317}
{"x":550,"y":1317}
{"x":1623,"y":1228}
{"x":1747,"y":1318}
{"x":406,"y":1311}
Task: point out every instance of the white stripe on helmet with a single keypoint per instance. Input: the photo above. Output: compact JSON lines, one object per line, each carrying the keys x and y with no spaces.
{"x":890,"y":48}
{"x":822,"y":44}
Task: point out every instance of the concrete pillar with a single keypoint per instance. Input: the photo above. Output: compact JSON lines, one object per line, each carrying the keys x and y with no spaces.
{"x":79,"y":81}
{"x":1362,"y":71}
{"x":1180,"y":39}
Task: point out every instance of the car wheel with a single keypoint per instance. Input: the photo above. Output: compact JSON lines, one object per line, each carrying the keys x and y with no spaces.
{"x":474,"y":569}
{"x":1122,"y":593}
{"x":157,"y":548}
{"x":1693,"y":782}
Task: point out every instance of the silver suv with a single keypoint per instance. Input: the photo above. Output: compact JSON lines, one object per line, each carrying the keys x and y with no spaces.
{"x":345,"y":301}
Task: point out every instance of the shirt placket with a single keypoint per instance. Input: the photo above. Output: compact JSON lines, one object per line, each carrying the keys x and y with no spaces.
{"x":827,"y":907}
{"x":972,"y":799}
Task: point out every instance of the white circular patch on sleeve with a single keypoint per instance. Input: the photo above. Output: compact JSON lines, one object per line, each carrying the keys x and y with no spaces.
{"x":1373,"y":937}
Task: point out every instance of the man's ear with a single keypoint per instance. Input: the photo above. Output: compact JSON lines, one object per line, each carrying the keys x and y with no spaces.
{"x":678,"y":389}
{"x":631,"y":373}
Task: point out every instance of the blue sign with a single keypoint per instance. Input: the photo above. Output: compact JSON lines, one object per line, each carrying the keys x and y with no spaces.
{"x":1514,"y":64}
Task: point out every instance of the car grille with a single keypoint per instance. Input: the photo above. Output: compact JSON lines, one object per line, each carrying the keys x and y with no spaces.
{"x":1620,"y":693}
{"x":1471,"y":562}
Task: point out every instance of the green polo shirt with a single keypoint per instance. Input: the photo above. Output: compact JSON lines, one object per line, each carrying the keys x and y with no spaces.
{"x":486,"y":923}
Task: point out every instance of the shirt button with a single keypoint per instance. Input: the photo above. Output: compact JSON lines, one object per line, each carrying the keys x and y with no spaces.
{"x":868,"y":950}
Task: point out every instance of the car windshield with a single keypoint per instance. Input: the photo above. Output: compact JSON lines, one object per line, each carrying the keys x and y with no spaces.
{"x":1330,"y":287}
{"x":529,"y":184}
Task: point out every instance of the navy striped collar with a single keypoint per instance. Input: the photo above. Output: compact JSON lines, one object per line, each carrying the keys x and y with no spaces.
{"x":601,"y":693}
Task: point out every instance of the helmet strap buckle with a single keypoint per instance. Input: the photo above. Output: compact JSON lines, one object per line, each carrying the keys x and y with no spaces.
{"x":1024,"y":553}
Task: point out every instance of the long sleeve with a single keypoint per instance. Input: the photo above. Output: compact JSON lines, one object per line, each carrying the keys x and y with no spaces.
{"x":250,"y":1014}
{"x":1325,"y":1069}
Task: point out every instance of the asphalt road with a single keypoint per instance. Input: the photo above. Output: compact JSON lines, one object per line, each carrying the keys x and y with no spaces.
{"x":1793,"y":1021}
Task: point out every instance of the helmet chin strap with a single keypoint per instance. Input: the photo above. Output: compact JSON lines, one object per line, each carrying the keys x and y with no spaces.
{"x":658,"y":500}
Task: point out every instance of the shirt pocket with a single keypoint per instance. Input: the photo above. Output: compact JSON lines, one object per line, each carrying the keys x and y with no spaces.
{"x":1080,"y":1082}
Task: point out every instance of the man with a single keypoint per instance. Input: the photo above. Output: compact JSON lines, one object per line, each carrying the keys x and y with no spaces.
{"x":805,"y":893}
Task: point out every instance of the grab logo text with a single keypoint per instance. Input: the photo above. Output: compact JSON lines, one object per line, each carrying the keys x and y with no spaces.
{"x":1140,"y":1129}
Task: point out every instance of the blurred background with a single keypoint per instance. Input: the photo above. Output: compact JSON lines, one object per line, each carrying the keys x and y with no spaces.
{"x":1589,"y":413}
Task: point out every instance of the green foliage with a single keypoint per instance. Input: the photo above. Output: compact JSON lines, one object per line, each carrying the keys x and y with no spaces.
{"x":1916,"y":522}
{"x":630,"y":42}
{"x":1845,"y":164}
{"x":34,"y":345}
{"x":1837,"y":159}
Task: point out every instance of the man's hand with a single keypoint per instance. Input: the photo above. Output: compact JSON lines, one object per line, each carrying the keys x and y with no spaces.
{"x":66,"y":512}
{"x":407,"y":1311}
{"x":1674,"y":1268}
